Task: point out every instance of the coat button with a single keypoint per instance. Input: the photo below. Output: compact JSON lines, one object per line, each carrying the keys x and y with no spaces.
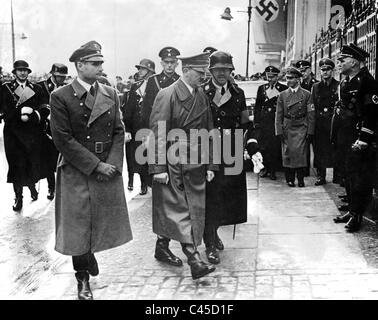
{"x":108,"y":112}
{"x":109,"y":124}
{"x":85,"y":115}
{"x":81,"y":103}
{"x":88,"y":137}
{"x":108,"y":135}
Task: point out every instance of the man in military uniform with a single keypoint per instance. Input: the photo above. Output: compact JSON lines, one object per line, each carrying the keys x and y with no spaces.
{"x":264,"y":117}
{"x":90,"y":208}
{"x":308,"y":80}
{"x":23,"y":113}
{"x":324,"y":96}
{"x":179,"y":188}
{"x":132,"y":118}
{"x":357,"y":132}
{"x":58,"y":73}
{"x":160,"y":81}
{"x":226,"y":195}
{"x":295,"y":125}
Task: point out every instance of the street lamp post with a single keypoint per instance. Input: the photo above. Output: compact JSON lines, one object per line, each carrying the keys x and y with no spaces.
{"x":12,"y":23}
{"x":227,"y":16}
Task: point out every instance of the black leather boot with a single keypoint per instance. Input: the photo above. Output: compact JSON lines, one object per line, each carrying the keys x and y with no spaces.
{"x":273,"y":175}
{"x":218,"y":242}
{"x":130,"y":185}
{"x":83,"y":289}
{"x":92,"y":265}
{"x":51,"y":194}
{"x":33,"y":192}
{"x":198,"y":268}
{"x":163,"y":254}
{"x":354,"y":223}
{"x":143,"y":189}
{"x":17,"y":203}
{"x":343,"y":218}
{"x":212,"y":255}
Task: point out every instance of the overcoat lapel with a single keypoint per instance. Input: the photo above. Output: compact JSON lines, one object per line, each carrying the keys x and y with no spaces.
{"x":102,"y":104}
{"x":26,"y":94}
{"x":295,"y":98}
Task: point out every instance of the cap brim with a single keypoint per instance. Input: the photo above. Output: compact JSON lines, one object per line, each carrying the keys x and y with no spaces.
{"x":60,"y":74}
{"x":94,"y":59}
{"x":21,"y":68}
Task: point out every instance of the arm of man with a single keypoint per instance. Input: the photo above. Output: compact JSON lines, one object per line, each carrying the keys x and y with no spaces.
{"x":74,"y":152}
{"x":116,"y":153}
{"x":279,"y":115}
{"x":258,"y":106}
{"x":310,"y":115}
{"x":148,"y":102}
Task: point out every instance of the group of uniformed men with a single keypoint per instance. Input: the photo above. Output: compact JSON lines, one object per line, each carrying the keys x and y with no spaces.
{"x":82,"y":120}
{"x":338,"y":119}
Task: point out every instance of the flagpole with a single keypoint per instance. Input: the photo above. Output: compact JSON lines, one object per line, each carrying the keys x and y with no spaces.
{"x":13,"y":44}
{"x":248,"y":40}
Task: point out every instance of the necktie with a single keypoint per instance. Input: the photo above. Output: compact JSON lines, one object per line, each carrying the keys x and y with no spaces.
{"x":92,"y":91}
{"x":223,"y":91}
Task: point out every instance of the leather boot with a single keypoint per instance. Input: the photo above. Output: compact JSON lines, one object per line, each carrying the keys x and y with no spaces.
{"x":130,"y":185}
{"x":143,"y":189}
{"x":83,"y":289}
{"x":198,"y":268}
{"x":273,"y":175}
{"x":212,"y":255}
{"x":92,"y":265}
{"x":354,"y":223}
{"x":33,"y":192}
{"x":163,"y":254}
{"x":343,"y":219}
{"x":51,"y":194}
{"x":17,"y":203}
{"x":218,"y":242}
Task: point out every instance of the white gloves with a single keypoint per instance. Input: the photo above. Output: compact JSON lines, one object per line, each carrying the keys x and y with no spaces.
{"x":26,"y":110}
{"x":257,"y":160}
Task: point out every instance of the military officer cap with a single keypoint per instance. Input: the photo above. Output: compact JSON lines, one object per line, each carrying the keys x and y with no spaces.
{"x":292,"y":71}
{"x":169,"y":52}
{"x":326,"y":63}
{"x":59,"y":69}
{"x":91,"y":51}
{"x":353,"y":51}
{"x":272,"y":70}
{"x":20,"y":65}
{"x":198,"y":62}
{"x":303,"y":65}
{"x":210,"y":50}
{"x":147,"y":64}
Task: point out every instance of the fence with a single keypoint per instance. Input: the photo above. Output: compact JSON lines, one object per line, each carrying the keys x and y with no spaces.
{"x":360,"y":28}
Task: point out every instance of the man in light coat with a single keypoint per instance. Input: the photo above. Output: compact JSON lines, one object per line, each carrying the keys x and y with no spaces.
{"x":90,"y":209}
{"x":295,"y":125}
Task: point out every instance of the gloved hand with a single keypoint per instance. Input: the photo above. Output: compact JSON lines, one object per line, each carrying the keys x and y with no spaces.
{"x":257,"y":160}
{"x":26,"y":110}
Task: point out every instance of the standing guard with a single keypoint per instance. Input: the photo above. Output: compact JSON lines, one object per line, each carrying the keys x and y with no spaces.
{"x":132,"y":118}
{"x":23,"y":113}
{"x":226,"y":195}
{"x":160,"y":81}
{"x":50,"y":154}
{"x":324,"y":96}
{"x":264,"y":115}
{"x":90,"y":207}
{"x":357,"y":132}
{"x":295,"y":125}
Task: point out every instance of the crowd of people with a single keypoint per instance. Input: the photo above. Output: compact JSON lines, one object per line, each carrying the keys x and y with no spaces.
{"x":80,"y":130}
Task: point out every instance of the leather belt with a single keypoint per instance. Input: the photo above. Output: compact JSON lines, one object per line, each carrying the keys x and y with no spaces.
{"x":100,"y":146}
{"x":294,"y":117}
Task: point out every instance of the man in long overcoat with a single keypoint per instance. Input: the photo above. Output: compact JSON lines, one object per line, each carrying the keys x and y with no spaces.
{"x":226,"y":195}
{"x":49,"y":155}
{"x":295,"y":125}
{"x":23,"y":113}
{"x":324,"y":96}
{"x":132,"y":118}
{"x":264,"y":117}
{"x":179,"y":187}
{"x":90,"y":208}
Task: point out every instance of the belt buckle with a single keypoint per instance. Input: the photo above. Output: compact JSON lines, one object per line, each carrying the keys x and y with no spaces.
{"x":99,"y":147}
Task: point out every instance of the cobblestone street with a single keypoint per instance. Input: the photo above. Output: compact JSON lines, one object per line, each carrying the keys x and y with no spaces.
{"x":289,"y":249}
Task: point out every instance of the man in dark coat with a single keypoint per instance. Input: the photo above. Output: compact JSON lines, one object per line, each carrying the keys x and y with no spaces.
{"x":23,"y":113}
{"x":132,"y":118}
{"x":160,"y":81}
{"x":90,"y":208}
{"x":58,"y":73}
{"x":324,"y":96}
{"x":226,"y":195}
{"x":264,"y":114}
{"x":295,"y":125}
{"x":179,"y":185}
{"x":357,"y":132}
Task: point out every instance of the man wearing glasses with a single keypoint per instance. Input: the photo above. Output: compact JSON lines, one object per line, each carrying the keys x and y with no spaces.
{"x":295,"y":125}
{"x":324,"y":96}
{"x":90,"y":209}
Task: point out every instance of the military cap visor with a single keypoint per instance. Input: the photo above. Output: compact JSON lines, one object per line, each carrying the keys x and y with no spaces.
{"x":168,"y":52}
{"x":271,"y":70}
{"x":198,"y":62}
{"x":293,"y":72}
{"x":353,"y":51}
{"x":89,"y":52}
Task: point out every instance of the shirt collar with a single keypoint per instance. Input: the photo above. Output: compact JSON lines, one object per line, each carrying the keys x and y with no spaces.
{"x":22,"y":84}
{"x":218,"y":87}
{"x":295,"y":89}
{"x":86,"y":85}
{"x":190,"y":88}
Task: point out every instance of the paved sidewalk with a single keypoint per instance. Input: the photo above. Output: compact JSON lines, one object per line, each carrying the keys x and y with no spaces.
{"x":289,"y":249}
